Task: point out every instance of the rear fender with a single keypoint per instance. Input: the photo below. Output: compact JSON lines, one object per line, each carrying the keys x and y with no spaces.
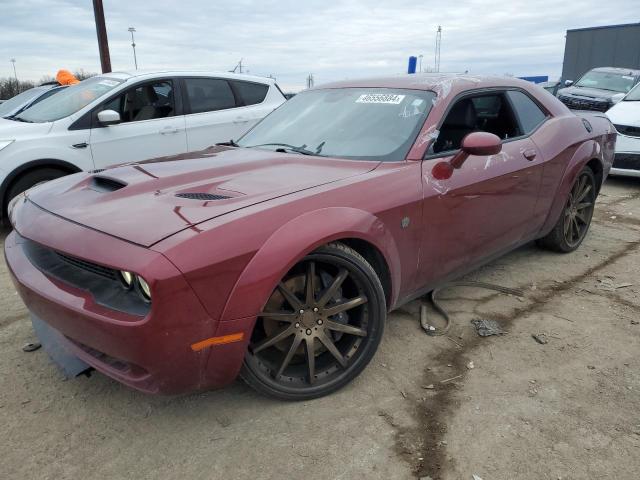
{"x":293,"y":241}
{"x":589,"y":150}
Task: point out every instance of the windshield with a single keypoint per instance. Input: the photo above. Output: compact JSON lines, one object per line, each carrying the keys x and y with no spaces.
{"x":356,"y":123}
{"x":69,"y":101}
{"x":19,"y":100}
{"x":634,"y":95}
{"x":607,"y":81}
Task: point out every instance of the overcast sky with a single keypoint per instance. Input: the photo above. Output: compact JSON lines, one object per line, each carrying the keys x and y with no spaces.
{"x":333,"y":39}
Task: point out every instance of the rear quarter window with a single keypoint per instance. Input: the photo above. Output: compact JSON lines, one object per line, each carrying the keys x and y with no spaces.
{"x":250,"y":93}
{"x":209,"y":94}
{"x":528,"y":112}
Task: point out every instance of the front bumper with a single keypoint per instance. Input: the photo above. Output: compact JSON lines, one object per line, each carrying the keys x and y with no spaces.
{"x":627,"y":157}
{"x":152,"y":353}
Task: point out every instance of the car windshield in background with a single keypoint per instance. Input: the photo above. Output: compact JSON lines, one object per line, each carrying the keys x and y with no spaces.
{"x":20,"y":99}
{"x":69,"y":101}
{"x":607,"y":81}
{"x":634,"y":95}
{"x":355,"y":123}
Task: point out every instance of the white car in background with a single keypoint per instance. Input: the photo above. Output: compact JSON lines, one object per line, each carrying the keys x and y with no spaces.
{"x":127,"y":117}
{"x":625,"y":116}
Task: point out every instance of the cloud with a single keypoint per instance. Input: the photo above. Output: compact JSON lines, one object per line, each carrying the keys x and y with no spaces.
{"x":332,"y":40}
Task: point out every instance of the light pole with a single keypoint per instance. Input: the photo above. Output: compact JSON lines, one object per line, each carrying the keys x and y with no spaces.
{"x":13,"y":60}
{"x":133,"y":44}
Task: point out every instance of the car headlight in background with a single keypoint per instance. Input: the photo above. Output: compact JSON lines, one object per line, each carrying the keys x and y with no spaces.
{"x":5,"y":143}
{"x":144,"y":288}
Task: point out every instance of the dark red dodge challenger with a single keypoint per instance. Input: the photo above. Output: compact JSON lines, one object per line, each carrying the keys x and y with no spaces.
{"x":277,"y":258}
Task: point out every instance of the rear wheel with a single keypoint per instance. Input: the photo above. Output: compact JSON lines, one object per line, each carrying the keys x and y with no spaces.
{"x":574,"y":222}
{"x":320,"y":327}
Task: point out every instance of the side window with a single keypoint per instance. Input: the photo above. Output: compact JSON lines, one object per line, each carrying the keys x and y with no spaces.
{"x":209,"y":94}
{"x":528,"y":112}
{"x":144,"y":102}
{"x":481,"y":113}
{"x":250,"y":93}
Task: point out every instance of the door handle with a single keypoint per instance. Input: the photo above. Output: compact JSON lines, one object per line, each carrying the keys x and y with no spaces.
{"x":240,"y":120}
{"x":530,"y":154}
{"x":169,"y":130}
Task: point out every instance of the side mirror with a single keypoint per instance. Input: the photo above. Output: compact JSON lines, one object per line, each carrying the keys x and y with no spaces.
{"x":475,"y":143}
{"x":568,"y":83}
{"x":109,"y":117}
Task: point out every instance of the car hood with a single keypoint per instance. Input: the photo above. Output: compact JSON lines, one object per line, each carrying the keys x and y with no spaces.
{"x":625,"y":113}
{"x":589,"y":92}
{"x":13,"y":129}
{"x":149,"y":201}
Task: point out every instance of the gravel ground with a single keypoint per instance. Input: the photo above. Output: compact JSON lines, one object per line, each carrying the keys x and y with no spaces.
{"x":567,"y":409}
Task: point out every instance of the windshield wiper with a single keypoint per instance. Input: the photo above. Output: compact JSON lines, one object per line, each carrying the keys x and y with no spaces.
{"x":230,"y":143}
{"x":19,"y":119}
{"x":301,"y":149}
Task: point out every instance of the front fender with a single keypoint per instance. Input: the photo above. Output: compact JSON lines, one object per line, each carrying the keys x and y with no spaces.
{"x":585,"y":152}
{"x":293,"y":241}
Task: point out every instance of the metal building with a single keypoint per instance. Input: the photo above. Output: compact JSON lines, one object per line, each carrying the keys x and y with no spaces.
{"x":608,"y":46}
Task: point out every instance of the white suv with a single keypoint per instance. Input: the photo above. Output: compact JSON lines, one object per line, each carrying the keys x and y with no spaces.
{"x":128,"y":117}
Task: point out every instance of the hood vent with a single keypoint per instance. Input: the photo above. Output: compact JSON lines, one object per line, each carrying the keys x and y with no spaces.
{"x":201,"y":196}
{"x":105,"y":184}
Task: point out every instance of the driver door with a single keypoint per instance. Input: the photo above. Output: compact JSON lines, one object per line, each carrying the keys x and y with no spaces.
{"x":484,"y":208}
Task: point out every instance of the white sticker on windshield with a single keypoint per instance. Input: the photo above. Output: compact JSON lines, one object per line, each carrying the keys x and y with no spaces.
{"x":108,"y":83}
{"x":380,"y":98}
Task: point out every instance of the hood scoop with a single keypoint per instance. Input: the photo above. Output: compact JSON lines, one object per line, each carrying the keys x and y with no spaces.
{"x":202,"y":196}
{"x":105,"y":184}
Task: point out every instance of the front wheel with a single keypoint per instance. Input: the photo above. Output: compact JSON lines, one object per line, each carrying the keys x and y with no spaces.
{"x":574,"y":222}
{"x":320,"y":327}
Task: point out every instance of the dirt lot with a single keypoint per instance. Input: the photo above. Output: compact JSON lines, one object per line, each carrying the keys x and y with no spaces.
{"x":568,"y":409}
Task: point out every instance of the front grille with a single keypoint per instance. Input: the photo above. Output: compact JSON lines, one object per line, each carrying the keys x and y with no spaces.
{"x":101,"y":282}
{"x":628,"y":130}
{"x":629,"y":161}
{"x":88,"y":266}
{"x":201,"y":196}
{"x":585,"y":104}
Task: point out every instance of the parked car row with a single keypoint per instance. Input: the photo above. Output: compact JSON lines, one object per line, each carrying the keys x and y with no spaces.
{"x":278,"y":256}
{"x":599,"y":89}
{"x":615,"y":91}
{"x":124,"y":117}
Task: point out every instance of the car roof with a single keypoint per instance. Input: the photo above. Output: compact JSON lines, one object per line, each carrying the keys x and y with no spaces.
{"x":439,"y":83}
{"x":622,"y":71}
{"x":150,"y":74}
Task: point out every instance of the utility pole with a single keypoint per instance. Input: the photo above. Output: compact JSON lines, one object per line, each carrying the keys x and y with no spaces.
{"x":436,"y":63}
{"x":310,"y":81}
{"x":133,"y":44}
{"x":101,"y":30}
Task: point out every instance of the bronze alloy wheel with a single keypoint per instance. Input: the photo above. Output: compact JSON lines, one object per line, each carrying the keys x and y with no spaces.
{"x":573,"y":224}
{"x":320,"y":327}
{"x":579,"y":210}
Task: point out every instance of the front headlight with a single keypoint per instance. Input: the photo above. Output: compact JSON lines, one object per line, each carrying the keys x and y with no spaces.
{"x":5,"y":143}
{"x":126,"y":278}
{"x":144,"y":288}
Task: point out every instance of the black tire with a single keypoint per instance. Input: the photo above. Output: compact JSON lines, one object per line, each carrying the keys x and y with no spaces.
{"x":575,"y":219}
{"x":30,"y":179}
{"x":305,"y":351}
